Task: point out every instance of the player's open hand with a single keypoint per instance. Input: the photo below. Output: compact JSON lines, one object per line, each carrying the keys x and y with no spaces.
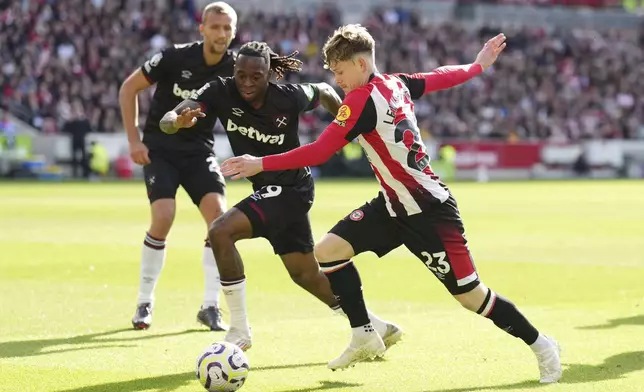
{"x":491,"y":50}
{"x":139,"y":153}
{"x":241,"y":167}
{"x":188,"y":118}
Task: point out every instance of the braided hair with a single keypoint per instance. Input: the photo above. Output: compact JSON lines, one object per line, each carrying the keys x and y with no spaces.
{"x":278,"y":64}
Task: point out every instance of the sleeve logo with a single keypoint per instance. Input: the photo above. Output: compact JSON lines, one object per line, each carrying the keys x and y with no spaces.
{"x":198,"y":93}
{"x":343,"y":113}
{"x":153,"y":62}
{"x":308,"y":91}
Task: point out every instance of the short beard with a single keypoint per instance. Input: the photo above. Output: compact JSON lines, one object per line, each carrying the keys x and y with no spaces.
{"x":212,"y":49}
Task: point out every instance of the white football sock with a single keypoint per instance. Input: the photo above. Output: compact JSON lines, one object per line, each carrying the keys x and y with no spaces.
{"x":378,"y":324}
{"x":362,"y":333}
{"x":235,"y":294}
{"x":152,"y":261}
{"x":212,"y":284}
{"x":540,"y":344}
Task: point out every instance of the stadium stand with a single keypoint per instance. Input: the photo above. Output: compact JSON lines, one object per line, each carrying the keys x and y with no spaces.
{"x":59,"y":57}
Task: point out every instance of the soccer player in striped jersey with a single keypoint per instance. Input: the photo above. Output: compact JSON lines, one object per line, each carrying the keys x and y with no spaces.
{"x":413,"y":208}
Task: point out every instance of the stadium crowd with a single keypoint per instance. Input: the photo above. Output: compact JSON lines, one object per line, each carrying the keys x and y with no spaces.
{"x":63,"y":58}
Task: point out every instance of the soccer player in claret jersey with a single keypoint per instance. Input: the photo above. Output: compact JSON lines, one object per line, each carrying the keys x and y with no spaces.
{"x":414,"y":208}
{"x":185,"y":159}
{"x":261,"y":118}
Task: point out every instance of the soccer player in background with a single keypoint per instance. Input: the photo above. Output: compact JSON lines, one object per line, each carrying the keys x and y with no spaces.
{"x":413,"y":208}
{"x":185,"y":159}
{"x":261,"y":118}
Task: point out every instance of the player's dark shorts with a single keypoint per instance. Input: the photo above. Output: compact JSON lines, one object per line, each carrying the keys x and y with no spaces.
{"x":281,"y":215}
{"x":436,"y":237}
{"x":197,"y":173}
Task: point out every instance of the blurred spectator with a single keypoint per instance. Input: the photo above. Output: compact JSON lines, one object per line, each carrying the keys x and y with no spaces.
{"x":78,"y":127}
{"x":561,"y":85}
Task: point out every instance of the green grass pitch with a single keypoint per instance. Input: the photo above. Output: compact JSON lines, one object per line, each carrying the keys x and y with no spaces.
{"x":569,"y":254}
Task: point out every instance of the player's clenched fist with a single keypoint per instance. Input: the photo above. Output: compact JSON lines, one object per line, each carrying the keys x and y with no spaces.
{"x":491,"y":50}
{"x":242,"y":166}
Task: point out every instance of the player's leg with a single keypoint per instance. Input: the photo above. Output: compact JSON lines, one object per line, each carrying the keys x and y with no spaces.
{"x":212,"y":206}
{"x":161,"y":181}
{"x":365,"y":229}
{"x":229,"y":228}
{"x":205,"y":185}
{"x":295,"y":250}
{"x":305,"y":272}
{"x":505,"y":315}
{"x":293,"y":242}
{"x":443,"y":249}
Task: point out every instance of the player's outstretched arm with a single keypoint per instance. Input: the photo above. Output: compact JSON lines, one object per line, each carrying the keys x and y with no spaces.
{"x":329,"y":98}
{"x":184,"y":115}
{"x":450,"y":76}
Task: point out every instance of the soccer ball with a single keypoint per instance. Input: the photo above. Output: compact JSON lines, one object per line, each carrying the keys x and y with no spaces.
{"x":222,"y":367}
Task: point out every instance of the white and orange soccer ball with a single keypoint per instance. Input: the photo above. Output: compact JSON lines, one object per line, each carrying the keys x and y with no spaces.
{"x":222,"y":367}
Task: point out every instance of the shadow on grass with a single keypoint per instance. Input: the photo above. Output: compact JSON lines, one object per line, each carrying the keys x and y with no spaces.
{"x":613,"y":368}
{"x":171,"y":382}
{"x":31,"y":348}
{"x":614,"y":323}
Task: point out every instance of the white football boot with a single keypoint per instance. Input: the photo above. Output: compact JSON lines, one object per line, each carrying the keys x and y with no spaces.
{"x":364,"y":346}
{"x":240,"y":338}
{"x":392,"y":336}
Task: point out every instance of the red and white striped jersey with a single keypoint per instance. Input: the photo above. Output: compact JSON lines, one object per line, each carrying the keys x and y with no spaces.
{"x":381,"y":116}
{"x":393,"y":144}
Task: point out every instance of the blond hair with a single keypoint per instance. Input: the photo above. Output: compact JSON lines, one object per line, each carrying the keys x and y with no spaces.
{"x":346,"y":42}
{"x":222,"y":8}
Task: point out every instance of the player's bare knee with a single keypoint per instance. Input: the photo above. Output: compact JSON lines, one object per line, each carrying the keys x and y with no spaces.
{"x":473,"y":299}
{"x":219,"y":231}
{"x":212,"y":206}
{"x":332,"y":248}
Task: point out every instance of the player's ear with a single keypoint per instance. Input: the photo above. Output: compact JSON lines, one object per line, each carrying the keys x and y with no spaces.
{"x":201,"y":29}
{"x":362,"y":63}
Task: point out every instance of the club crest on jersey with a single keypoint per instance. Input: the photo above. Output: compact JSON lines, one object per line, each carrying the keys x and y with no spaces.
{"x":281,"y":121}
{"x":356,"y":215}
{"x":343,"y":113}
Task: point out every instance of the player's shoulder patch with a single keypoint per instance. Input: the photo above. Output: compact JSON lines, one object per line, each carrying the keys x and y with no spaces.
{"x":344,"y":112}
{"x":198,"y":93}
{"x":309,"y":91}
{"x":153,"y":62}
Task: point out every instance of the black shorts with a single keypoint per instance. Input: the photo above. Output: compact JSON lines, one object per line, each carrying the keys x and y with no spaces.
{"x":281,"y":215}
{"x":436,"y":237}
{"x":198,"y":174}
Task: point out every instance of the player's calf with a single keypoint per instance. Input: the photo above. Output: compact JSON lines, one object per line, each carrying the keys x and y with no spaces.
{"x":223,"y":233}
{"x":163,"y":212}
{"x":305,"y":272}
{"x":505,"y":315}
